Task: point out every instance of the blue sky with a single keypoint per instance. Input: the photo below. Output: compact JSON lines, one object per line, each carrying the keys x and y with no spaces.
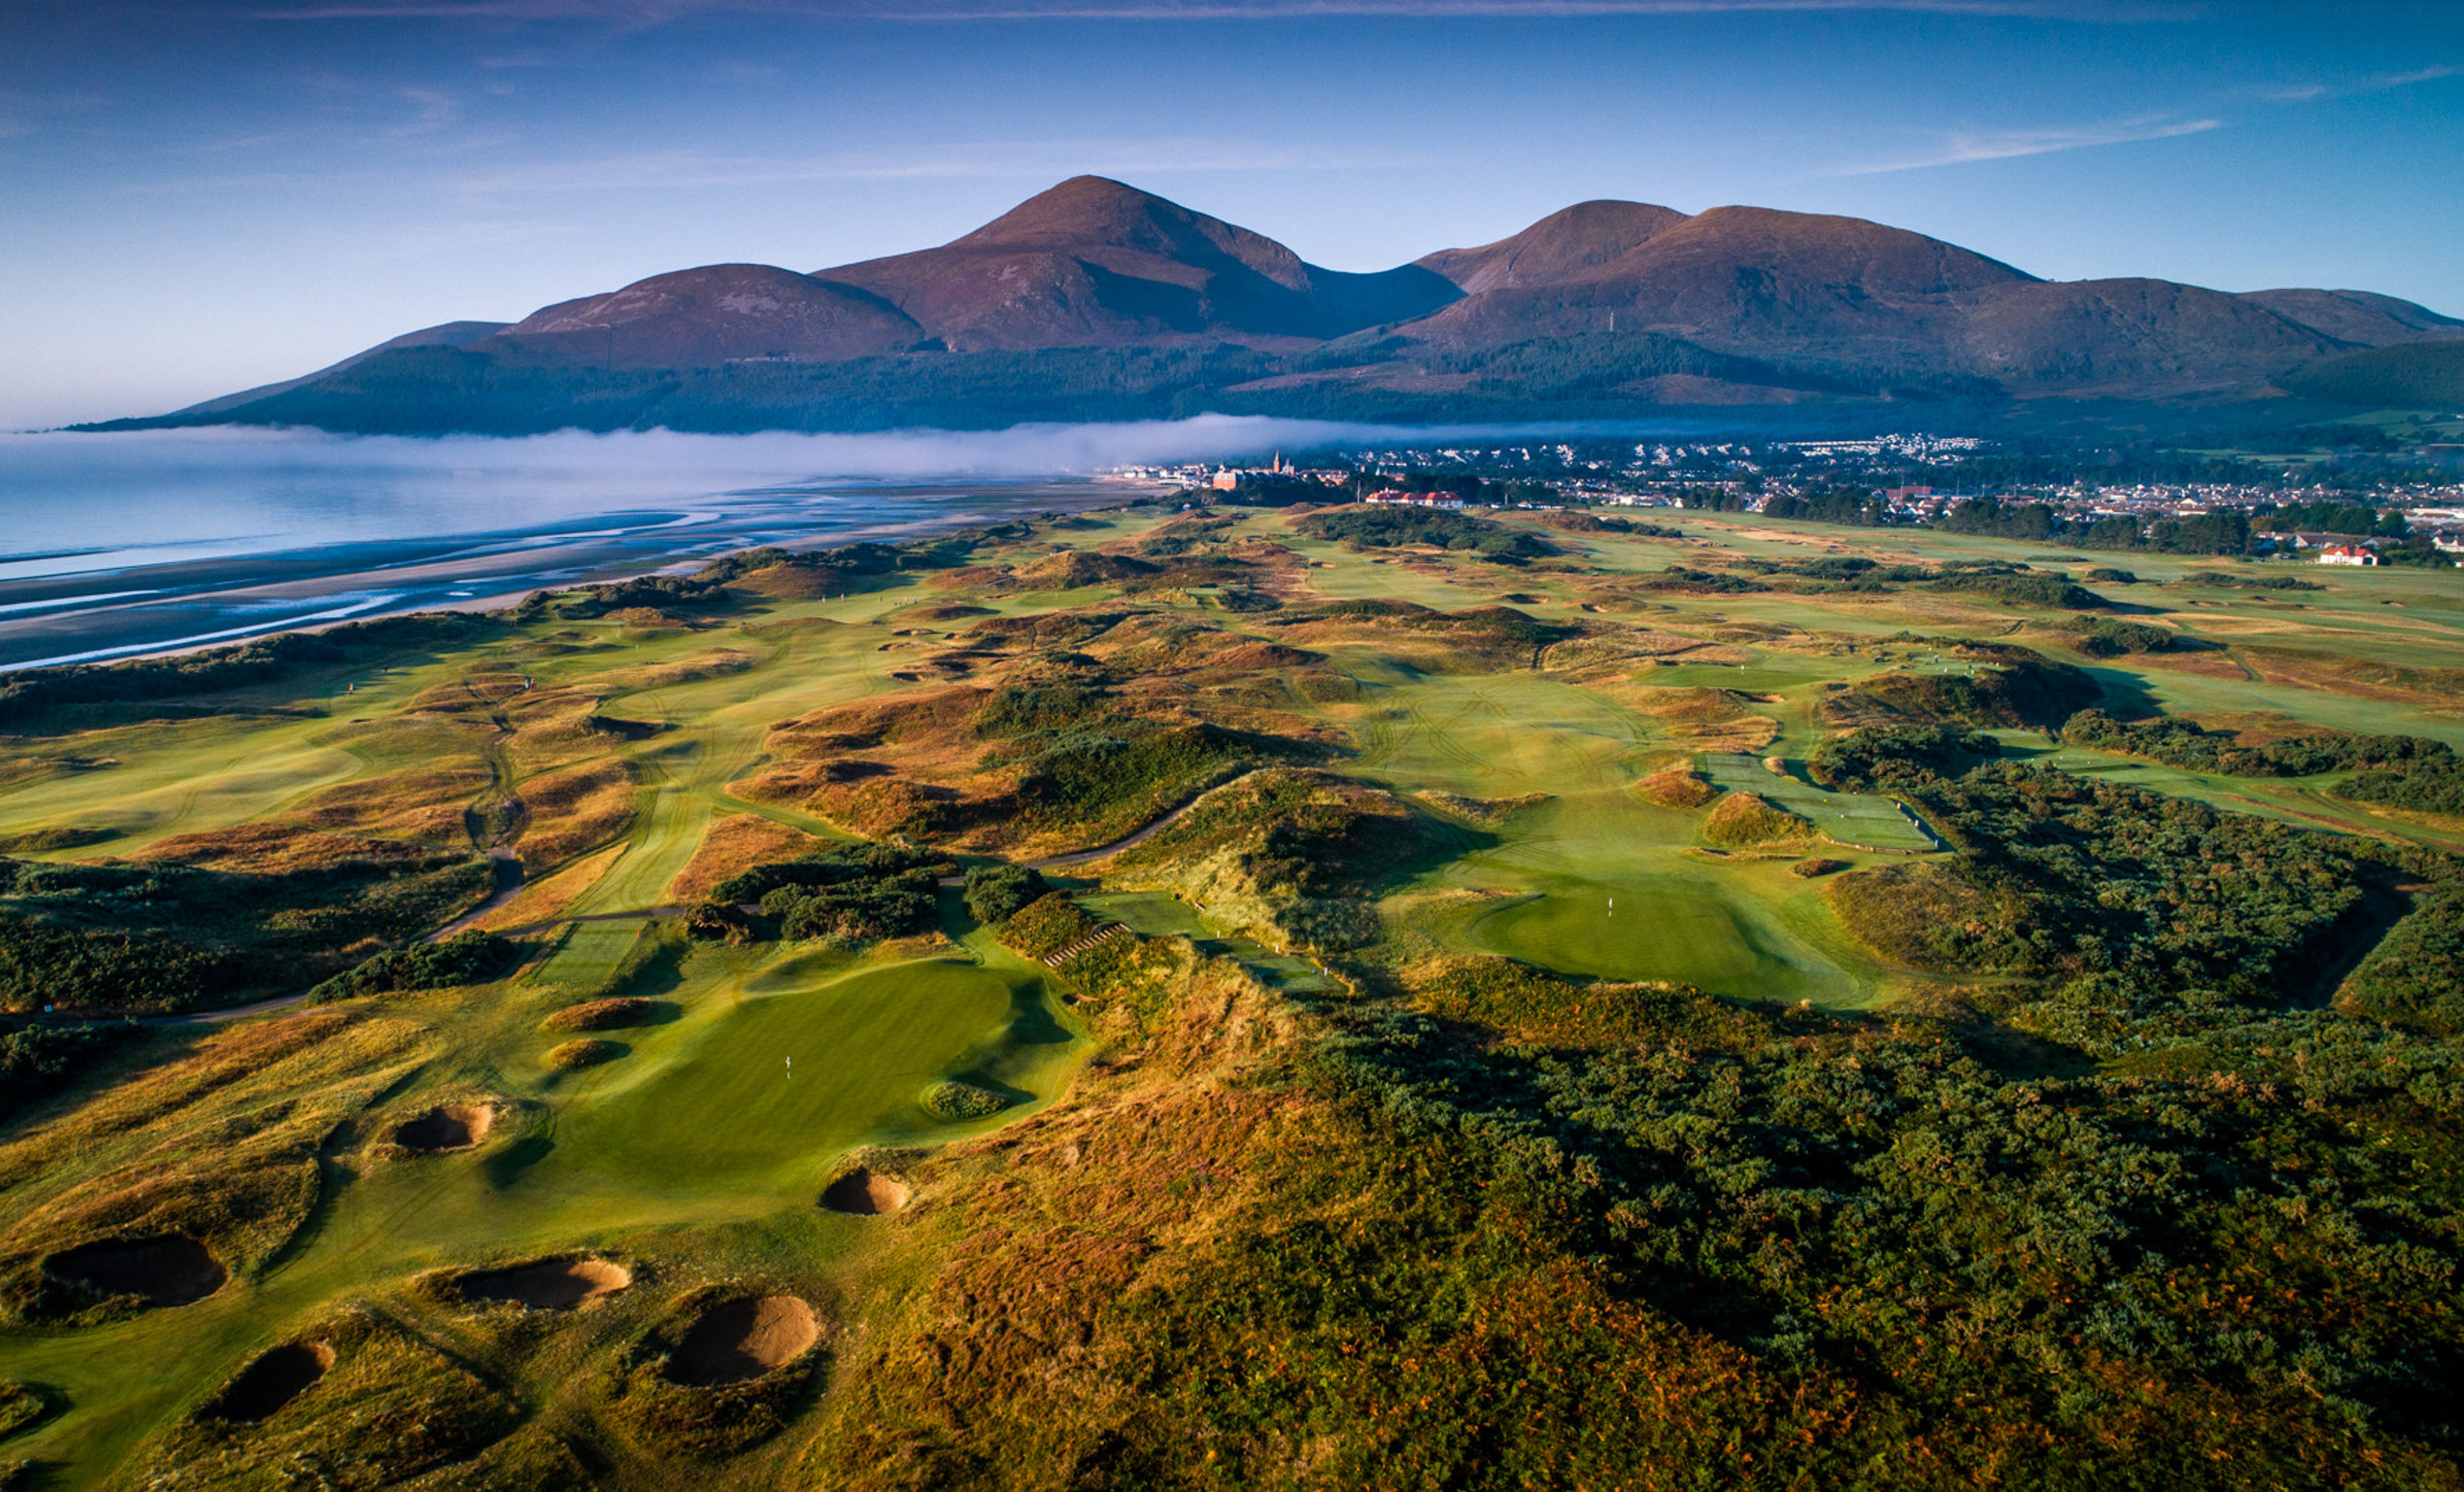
{"x":202,"y":194}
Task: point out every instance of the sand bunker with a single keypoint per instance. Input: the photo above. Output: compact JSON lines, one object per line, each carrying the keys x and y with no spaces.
{"x":559,"y":1285}
{"x":451,"y":1127}
{"x":276,"y":1378}
{"x":171,"y":1270}
{"x":744,"y":1339}
{"x":861,"y":1193}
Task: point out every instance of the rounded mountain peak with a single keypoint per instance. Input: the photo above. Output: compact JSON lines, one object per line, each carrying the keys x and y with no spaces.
{"x":1089,"y":212}
{"x":1841,"y":251}
{"x":1559,"y":247}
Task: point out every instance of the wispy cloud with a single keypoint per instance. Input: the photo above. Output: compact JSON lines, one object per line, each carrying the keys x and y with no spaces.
{"x":23,"y":113}
{"x":2380,"y":83}
{"x":1964,"y":147}
{"x":431,"y":111}
{"x":673,"y":169}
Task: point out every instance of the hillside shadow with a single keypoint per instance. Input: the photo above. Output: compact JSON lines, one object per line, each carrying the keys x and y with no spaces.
{"x":2127,"y":696}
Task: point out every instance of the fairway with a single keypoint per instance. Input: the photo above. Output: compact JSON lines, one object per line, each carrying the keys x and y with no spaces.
{"x":1856,"y":820}
{"x":1493,"y":735}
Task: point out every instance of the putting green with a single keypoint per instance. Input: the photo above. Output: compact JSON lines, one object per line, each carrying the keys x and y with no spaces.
{"x":1744,"y":927}
{"x":1658,"y":929}
{"x":772,"y":1086}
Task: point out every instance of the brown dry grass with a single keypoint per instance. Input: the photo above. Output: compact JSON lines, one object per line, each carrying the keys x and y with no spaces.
{"x":734,"y":843}
{"x":791,"y":582}
{"x":607,"y":1014}
{"x":544,"y":901}
{"x":1678,"y":788}
{"x":575,"y":810}
{"x":1041,"y":1229}
{"x":220,"y":1147}
{"x":382,"y":1405}
{"x":1073,"y":568}
{"x":1889,"y":908}
{"x":1488,"y":812}
{"x":1743,"y":818}
{"x":277,"y":849}
{"x":424,"y":804}
{"x":708,"y":663}
{"x":2361,"y":677}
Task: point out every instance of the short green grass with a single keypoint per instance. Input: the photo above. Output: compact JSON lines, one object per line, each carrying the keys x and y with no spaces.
{"x":1855,"y":819}
{"x":759,"y":1067}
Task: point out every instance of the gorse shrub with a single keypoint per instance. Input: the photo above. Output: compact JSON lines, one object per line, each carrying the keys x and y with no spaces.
{"x":995,"y":893}
{"x":464,"y":958}
{"x":959,"y":1101}
{"x":857,"y":893}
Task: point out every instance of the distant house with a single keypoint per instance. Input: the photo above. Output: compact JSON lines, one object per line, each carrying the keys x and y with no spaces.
{"x":1895,"y":495}
{"x":2302,"y":541}
{"x":1225,"y":480}
{"x":2347,"y":555}
{"x":1445,"y":499}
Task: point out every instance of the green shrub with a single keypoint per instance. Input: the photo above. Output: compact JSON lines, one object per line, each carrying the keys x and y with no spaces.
{"x":1046,"y":925}
{"x":164,"y":936}
{"x":2019,"y":689}
{"x":2030,"y":588}
{"x":995,"y":893}
{"x":2398,"y":766}
{"x":37,"y":1061}
{"x":1393,"y":525}
{"x":1888,"y":756}
{"x":857,"y":893}
{"x":464,"y":958}
{"x":958,"y":1101}
{"x":21,"y":1404}
{"x":2415,"y":977}
{"x":2105,"y":637}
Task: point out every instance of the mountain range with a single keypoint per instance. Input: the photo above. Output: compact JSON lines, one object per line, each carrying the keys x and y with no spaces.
{"x":1097,"y":300}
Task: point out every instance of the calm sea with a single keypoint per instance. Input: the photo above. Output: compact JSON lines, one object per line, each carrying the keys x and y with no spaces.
{"x":117,"y":545}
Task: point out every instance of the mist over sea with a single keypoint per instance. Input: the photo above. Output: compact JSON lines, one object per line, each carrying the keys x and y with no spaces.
{"x":111,"y":545}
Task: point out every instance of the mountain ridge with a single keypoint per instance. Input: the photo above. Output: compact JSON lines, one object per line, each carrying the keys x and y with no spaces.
{"x":1096,"y":299}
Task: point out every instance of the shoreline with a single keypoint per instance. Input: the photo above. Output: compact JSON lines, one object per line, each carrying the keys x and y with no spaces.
{"x":111,"y":615}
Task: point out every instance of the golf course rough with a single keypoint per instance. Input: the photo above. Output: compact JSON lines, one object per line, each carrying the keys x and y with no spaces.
{"x":632,"y":1197}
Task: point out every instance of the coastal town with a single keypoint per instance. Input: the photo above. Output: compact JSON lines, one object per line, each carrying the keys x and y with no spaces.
{"x":2332,"y":511}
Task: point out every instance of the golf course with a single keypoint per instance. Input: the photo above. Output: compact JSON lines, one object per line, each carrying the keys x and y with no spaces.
{"x":1513,"y":995}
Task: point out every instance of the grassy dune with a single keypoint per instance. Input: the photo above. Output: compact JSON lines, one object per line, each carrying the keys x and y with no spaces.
{"x":1159,"y":1132}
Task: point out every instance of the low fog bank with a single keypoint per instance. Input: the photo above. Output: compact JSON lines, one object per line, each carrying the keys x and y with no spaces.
{"x":661,"y":462}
